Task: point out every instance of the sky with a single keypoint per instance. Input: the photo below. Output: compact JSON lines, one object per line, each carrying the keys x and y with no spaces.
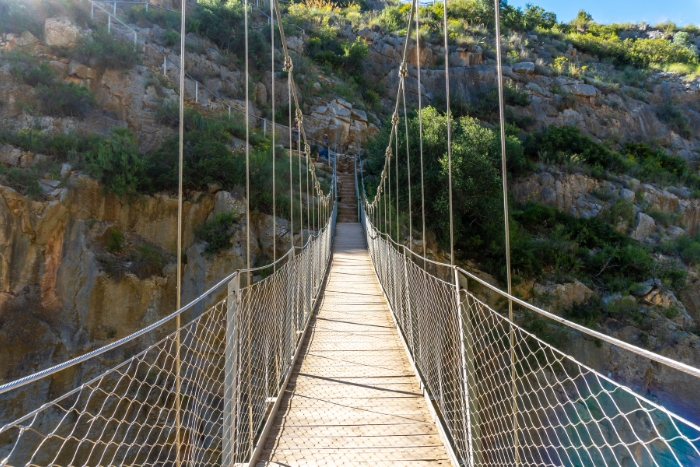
{"x":681,"y":12}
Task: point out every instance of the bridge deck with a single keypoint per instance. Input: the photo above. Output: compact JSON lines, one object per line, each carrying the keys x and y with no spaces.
{"x":353,"y":398}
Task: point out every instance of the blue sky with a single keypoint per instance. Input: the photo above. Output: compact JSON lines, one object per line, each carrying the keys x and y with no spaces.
{"x":681,"y":12}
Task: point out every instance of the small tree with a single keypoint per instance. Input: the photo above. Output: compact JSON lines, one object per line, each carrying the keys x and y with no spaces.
{"x":119,"y":164}
{"x":682,"y":39}
{"x":582,"y":20}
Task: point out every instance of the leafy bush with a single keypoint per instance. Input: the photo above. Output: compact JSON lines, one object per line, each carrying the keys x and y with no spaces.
{"x":56,"y":98}
{"x":163,"y":18}
{"x":148,"y":260}
{"x":687,"y":248}
{"x":217,"y":232}
{"x":65,"y":100}
{"x":476,"y":175}
{"x":104,"y":50}
{"x":63,"y":146}
{"x":555,"y":142}
{"x":171,"y":38}
{"x":119,"y":164}
{"x":24,"y":68}
{"x":25,"y":181}
{"x":115,"y":241}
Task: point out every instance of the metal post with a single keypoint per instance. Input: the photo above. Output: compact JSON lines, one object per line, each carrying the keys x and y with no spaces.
{"x":147,"y":3}
{"x":229,"y":113}
{"x":196,"y":91}
{"x":467,"y":358}
{"x":231,"y":372}
{"x":265,"y":128}
{"x":165,"y":65}
{"x":114,"y":12}
{"x":92,"y":10}
{"x":135,"y":40}
{"x":109,"y":23}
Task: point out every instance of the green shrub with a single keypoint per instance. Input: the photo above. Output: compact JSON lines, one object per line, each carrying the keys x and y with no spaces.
{"x":63,"y":146}
{"x":65,"y":100}
{"x":619,"y":211}
{"x":687,"y":248}
{"x":118,"y":163}
{"x":555,"y":142}
{"x":171,"y":38}
{"x":104,"y":50}
{"x":148,"y":260}
{"x":217,"y":232}
{"x":26,"y":181}
{"x":163,"y":18}
{"x":24,"y":68}
{"x":115,"y":241}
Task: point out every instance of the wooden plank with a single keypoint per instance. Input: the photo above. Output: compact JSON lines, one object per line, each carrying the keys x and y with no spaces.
{"x":353,"y":398}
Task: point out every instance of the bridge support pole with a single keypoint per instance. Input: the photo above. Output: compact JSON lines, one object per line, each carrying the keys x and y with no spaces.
{"x":467,"y":358}
{"x":231,"y":379}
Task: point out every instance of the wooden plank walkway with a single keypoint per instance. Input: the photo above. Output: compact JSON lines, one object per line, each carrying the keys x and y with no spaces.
{"x":353,"y":398}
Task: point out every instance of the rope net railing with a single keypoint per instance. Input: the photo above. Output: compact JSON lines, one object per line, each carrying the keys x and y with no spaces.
{"x":504,"y":396}
{"x":233,"y":359}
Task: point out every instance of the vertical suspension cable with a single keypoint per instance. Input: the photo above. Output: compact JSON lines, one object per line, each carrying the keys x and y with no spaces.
{"x":301,"y":201}
{"x":408,"y":169}
{"x":178,"y":300}
{"x":247,"y":145}
{"x":247,"y":222}
{"x":420,"y":128}
{"x":388,"y":192}
{"x":396,"y":176}
{"x":274,"y":172}
{"x":291,"y":150}
{"x":449,"y":129}
{"x":501,"y":111}
{"x":308,"y":208}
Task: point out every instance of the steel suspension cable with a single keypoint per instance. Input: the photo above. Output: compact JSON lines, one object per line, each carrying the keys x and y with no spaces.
{"x":420,"y":128}
{"x":504,"y":178}
{"x":449,"y":128}
{"x":301,"y":202}
{"x":408,"y":168}
{"x":396,"y":161}
{"x":247,"y":142}
{"x":274,"y":172}
{"x":178,"y":300}
{"x":288,"y":69}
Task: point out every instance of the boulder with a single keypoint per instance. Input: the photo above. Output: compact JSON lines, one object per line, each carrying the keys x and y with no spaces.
{"x":467,"y":56}
{"x":627,"y":195}
{"x":296,"y":44}
{"x":26,"y":39}
{"x":582,"y":90}
{"x":524,"y":68}
{"x":60,"y":32}
{"x":81,"y":71}
{"x":10,"y":156}
{"x":565,"y":295}
{"x":534,"y":88}
{"x":644,"y":227}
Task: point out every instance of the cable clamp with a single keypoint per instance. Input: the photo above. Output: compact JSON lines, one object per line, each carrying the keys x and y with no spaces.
{"x":299,"y":115}
{"x":288,"y":65}
{"x":403,"y":70}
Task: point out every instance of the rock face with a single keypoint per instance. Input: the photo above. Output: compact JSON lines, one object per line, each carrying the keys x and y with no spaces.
{"x":60,"y":32}
{"x":644,"y":227}
{"x":345,"y":126}
{"x":55,"y":287}
{"x":565,"y":296}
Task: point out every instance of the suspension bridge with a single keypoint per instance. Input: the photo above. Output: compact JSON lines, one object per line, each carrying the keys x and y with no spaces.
{"x":350,"y":349}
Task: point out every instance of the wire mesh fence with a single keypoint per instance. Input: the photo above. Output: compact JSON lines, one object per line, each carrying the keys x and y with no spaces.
{"x":505,"y":397}
{"x":199,"y":396}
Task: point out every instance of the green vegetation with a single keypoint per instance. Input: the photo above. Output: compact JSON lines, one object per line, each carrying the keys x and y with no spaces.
{"x":563,"y":144}
{"x":16,"y":17}
{"x":54,"y":98}
{"x":476,"y":165}
{"x":687,"y":248}
{"x":115,"y":241}
{"x":217,"y":232}
{"x":148,"y":260}
{"x":102,"y":49}
{"x":118,"y":163}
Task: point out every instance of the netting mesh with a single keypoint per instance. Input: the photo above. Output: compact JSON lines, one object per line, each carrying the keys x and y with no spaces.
{"x":506,"y":397}
{"x":232,"y":362}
